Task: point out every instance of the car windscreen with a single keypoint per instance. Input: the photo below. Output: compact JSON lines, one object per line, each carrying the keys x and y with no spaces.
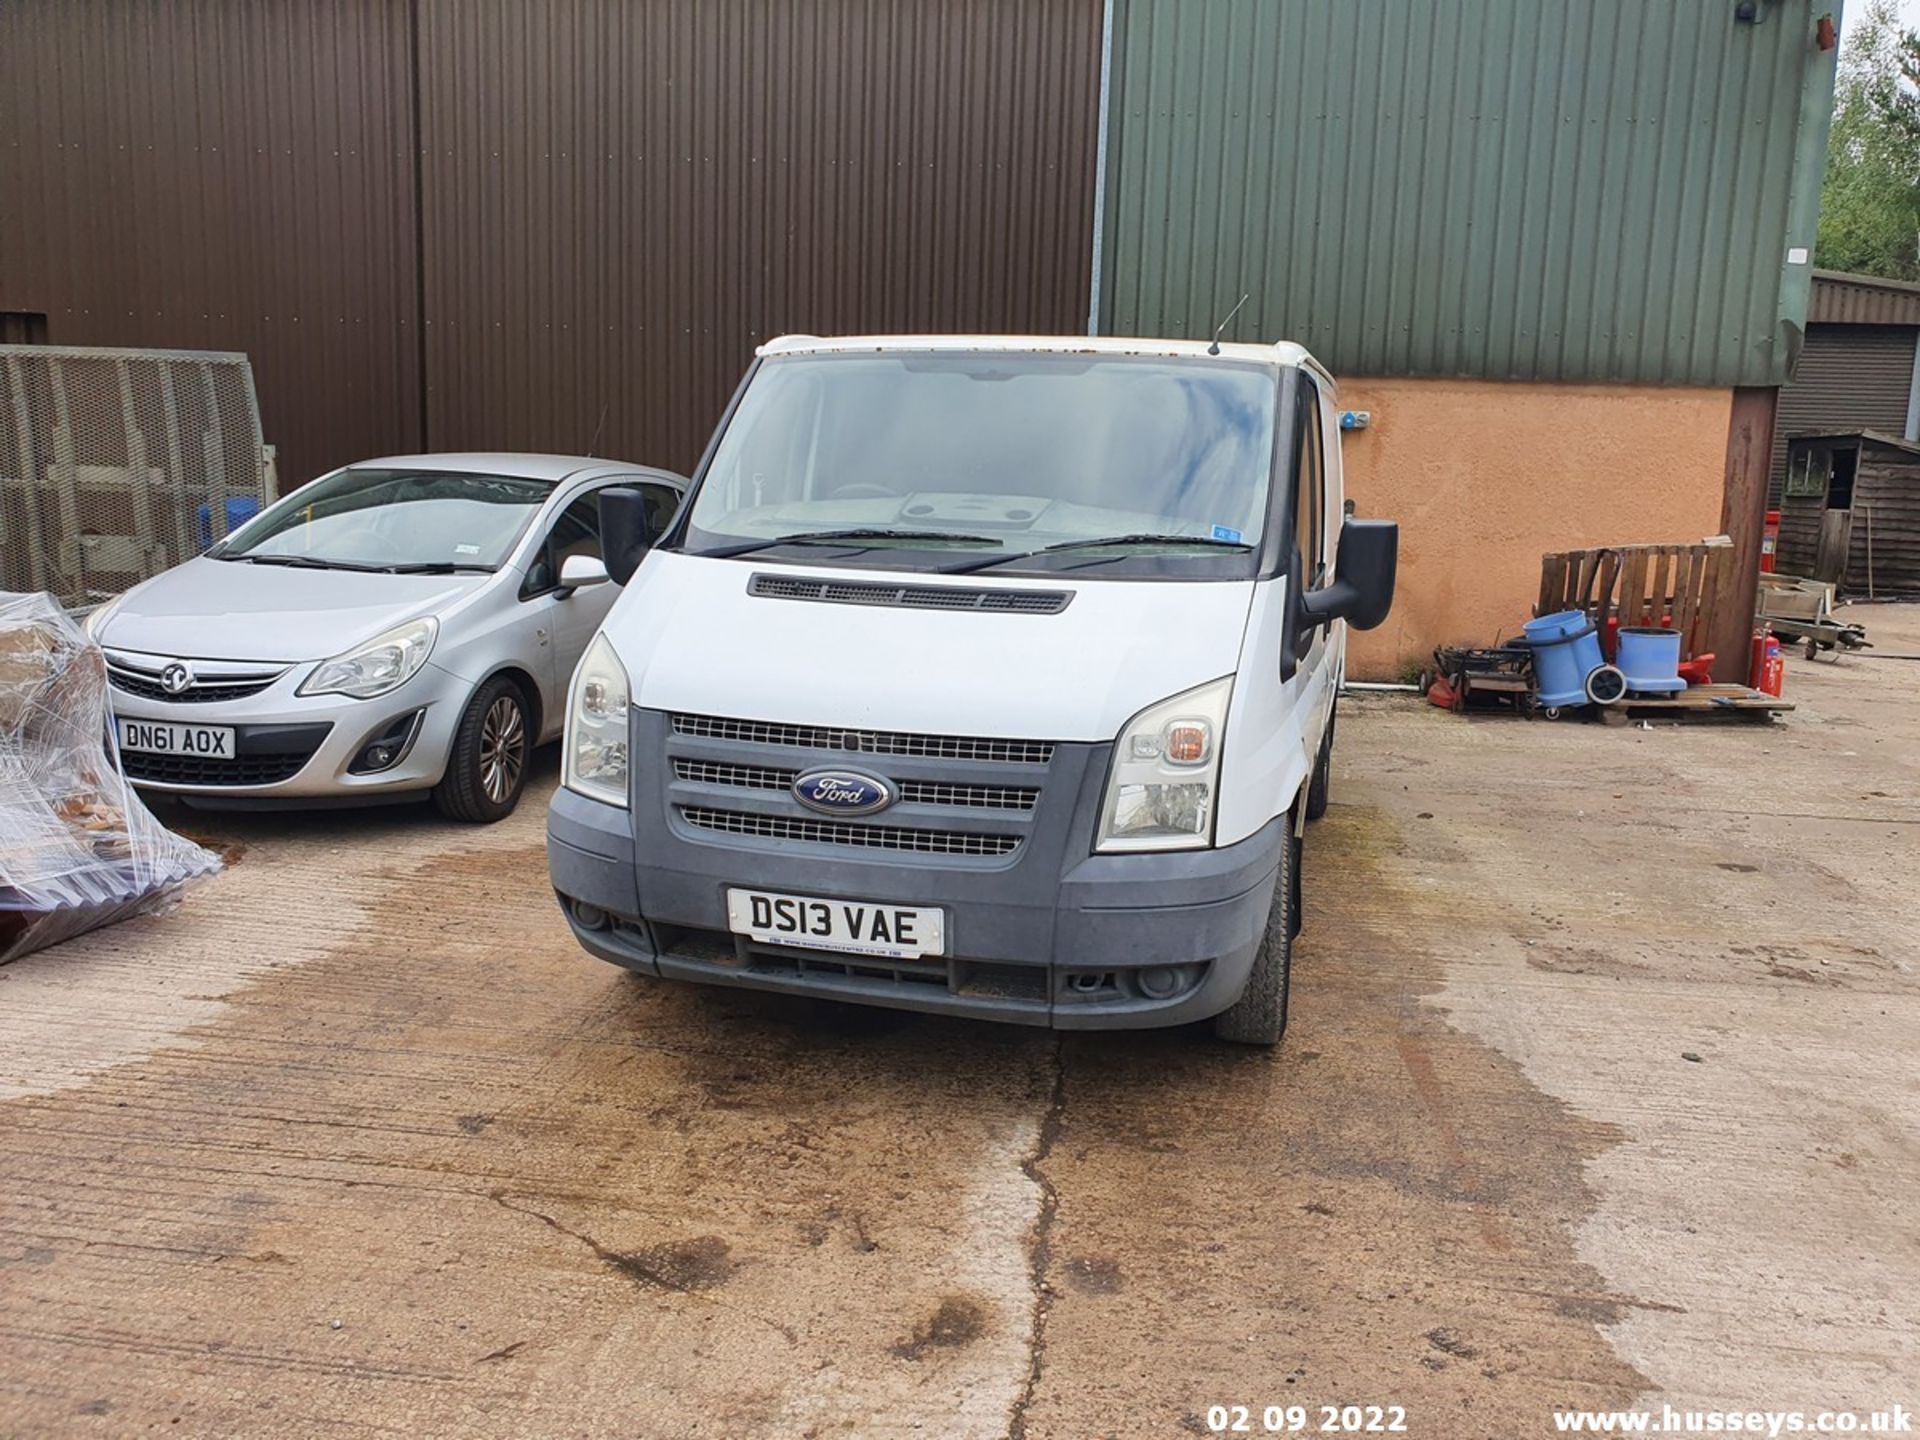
{"x":393,"y":518}
{"x":958,"y":460}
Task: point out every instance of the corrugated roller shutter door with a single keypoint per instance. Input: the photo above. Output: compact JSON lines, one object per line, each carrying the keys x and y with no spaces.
{"x":1851,"y":377}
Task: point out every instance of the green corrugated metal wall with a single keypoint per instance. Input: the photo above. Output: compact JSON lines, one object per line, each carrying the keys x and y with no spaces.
{"x":1513,"y":189}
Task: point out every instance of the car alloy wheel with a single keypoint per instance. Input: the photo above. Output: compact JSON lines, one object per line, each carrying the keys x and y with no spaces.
{"x":503,"y":749}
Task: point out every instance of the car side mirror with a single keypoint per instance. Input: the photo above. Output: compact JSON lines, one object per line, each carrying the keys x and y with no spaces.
{"x":578,"y":571}
{"x":1362,"y":589}
{"x":625,"y":531}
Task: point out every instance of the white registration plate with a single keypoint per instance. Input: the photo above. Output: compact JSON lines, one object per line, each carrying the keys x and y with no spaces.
{"x":858,"y":927}
{"x":158,"y":737}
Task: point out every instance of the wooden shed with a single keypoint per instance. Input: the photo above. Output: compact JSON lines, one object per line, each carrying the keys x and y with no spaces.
{"x":1851,"y":512}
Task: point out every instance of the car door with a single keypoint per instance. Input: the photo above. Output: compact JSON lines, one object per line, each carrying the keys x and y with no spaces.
{"x":567,"y":618}
{"x":575,"y":530}
{"x":1314,"y":485}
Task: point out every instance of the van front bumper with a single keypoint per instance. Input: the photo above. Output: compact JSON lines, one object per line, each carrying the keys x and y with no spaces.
{"x":1095,"y":952}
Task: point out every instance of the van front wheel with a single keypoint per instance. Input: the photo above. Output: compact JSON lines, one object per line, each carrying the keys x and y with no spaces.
{"x":1259,"y":1016}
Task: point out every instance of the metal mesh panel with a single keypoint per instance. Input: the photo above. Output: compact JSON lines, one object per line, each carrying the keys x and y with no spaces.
{"x":914,"y":792}
{"x":116,"y":464}
{"x":867,"y":742}
{"x":833,"y":832}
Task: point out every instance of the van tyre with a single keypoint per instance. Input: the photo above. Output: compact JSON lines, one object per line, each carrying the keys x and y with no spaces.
{"x":487,"y":767}
{"x":1322,"y":780}
{"x":1259,"y":1016}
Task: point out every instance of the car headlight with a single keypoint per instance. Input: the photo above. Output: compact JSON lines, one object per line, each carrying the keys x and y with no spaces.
{"x":1165,"y":778}
{"x":384,"y":663}
{"x":596,"y":743}
{"x":98,"y":616}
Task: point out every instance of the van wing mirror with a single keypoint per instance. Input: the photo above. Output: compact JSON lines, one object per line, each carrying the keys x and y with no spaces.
{"x":625,"y":531}
{"x":1362,"y":589}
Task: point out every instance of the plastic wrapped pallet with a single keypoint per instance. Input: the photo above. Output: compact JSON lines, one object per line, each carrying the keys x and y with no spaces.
{"x":77,"y":848}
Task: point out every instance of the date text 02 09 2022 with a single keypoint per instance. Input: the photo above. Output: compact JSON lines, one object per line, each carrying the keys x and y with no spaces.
{"x":1307,"y":1419}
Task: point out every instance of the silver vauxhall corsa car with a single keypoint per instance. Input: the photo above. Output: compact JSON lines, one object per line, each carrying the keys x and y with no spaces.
{"x":402,"y":626}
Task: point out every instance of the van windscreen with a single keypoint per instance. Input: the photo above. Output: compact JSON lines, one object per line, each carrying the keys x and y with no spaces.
{"x":1025,"y":458}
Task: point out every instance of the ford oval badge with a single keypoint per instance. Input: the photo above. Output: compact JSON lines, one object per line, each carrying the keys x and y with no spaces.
{"x":842,"y":792}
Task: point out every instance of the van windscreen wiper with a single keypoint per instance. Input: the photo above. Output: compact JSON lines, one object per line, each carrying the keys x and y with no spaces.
{"x":434,"y":567}
{"x":1118,"y":541}
{"x":834,"y":537}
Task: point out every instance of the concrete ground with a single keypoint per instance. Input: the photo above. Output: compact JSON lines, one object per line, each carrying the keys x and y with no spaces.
{"x":1601,"y":1085}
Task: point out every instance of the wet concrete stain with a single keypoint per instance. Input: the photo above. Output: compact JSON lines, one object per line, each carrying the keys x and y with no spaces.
{"x":698,"y":1264}
{"x":687,"y":1265}
{"x":1413,"y":1189}
{"x":1445,"y":1341}
{"x":1302,"y":1219}
{"x":1583,"y":960}
{"x":958,"y":1320}
{"x":1094,"y":1275}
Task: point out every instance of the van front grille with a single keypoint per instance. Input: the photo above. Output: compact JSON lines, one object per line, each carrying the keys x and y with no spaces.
{"x":911,"y":792}
{"x":865,"y":742}
{"x":741,"y":777}
{"x":970,"y":797}
{"x":834,"y":832}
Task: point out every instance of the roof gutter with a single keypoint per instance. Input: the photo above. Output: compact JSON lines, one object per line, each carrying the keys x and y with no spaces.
{"x":1803,"y":198}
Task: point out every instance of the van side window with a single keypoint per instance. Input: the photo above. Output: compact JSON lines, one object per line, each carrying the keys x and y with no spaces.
{"x":1310,"y":486}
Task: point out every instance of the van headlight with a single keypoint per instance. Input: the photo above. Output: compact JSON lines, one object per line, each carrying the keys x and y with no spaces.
{"x":1166,"y":774}
{"x":596,"y":743}
{"x":384,"y":663}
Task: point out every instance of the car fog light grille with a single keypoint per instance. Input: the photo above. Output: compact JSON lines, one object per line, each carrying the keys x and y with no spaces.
{"x":389,"y":747}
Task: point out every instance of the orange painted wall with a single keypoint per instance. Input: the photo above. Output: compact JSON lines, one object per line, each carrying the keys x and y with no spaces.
{"x":1486,"y":477}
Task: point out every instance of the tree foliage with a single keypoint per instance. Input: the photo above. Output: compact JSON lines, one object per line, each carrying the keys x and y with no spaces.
{"x":1870,"y":203}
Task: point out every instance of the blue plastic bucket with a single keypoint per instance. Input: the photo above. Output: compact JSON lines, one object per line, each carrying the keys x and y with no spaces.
{"x":1650,"y":659}
{"x":239,"y":509}
{"x":1565,"y":651}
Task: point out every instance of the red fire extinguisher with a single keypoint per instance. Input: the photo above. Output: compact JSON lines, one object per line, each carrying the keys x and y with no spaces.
{"x":1769,"y":542}
{"x":1768,"y":671}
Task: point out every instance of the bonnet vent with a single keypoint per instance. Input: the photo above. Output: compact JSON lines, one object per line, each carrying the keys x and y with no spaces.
{"x":912,"y":597}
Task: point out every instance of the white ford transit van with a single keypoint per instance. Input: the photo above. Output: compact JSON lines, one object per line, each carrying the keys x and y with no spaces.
{"x":988,"y":676}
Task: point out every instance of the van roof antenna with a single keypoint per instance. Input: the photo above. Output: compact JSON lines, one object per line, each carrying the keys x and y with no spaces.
{"x":598,"y":428}
{"x":1214,"y":348}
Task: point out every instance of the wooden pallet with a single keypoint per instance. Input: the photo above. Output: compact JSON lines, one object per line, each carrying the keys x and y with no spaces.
{"x":1707,"y":700}
{"x":1676,"y":586}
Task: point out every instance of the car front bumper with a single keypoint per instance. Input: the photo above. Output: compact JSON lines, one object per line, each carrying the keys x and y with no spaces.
{"x":1072,"y":958}
{"x":296,"y":748}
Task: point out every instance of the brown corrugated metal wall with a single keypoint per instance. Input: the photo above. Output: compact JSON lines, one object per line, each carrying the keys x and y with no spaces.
{"x":1850,"y":377}
{"x":616,"y":199}
{"x":622,"y":199}
{"x":1843,"y":299}
{"x":222,"y":175}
